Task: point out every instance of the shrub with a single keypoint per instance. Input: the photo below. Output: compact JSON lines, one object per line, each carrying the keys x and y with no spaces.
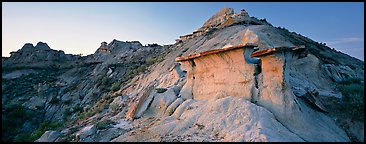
{"x":67,"y":102}
{"x":106,"y":81}
{"x":23,"y":137}
{"x":134,"y":66}
{"x":115,"y":86}
{"x":45,"y":126}
{"x":78,"y":108}
{"x":352,"y":90}
{"x":141,"y":69}
{"x":54,"y":100}
{"x":160,"y":90}
{"x":89,"y":113}
{"x":114,"y":108}
{"x":104,"y":124}
{"x":67,"y":113}
{"x":151,"y":60}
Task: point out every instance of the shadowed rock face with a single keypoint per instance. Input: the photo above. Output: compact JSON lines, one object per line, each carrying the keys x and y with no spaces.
{"x":42,"y":46}
{"x":40,"y":56}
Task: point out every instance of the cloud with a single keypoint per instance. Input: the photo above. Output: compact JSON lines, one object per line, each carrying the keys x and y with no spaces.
{"x":345,"y":41}
{"x":352,"y":45}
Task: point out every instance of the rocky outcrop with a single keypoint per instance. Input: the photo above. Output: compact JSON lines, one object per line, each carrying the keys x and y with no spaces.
{"x":86,"y":132}
{"x":40,"y":56}
{"x":225,"y":119}
{"x":338,"y":73}
{"x":223,"y":18}
{"x":129,"y":92}
{"x":49,"y":136}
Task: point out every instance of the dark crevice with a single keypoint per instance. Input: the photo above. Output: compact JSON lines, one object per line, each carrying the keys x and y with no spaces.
{"x":192,"y":63}
{"x":257,"y":71}
{"x":150,"y":103}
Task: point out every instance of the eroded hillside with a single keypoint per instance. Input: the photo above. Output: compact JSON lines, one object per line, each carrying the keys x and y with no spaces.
{"x":237,"y":78}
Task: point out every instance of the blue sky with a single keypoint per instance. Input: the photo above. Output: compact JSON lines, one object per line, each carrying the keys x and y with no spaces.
{"x":81,"y":27}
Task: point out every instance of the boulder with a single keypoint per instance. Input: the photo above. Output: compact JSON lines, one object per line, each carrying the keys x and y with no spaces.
{"x":161,"y":102}
{"x":49,"y":136}
{"x":170,"y":110}
{"x":338,"y":73}
{"x":86,"y":132}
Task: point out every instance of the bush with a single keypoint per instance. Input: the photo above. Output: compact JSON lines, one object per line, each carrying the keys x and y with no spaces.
{"x":114,"y":108}
{"x":89,"y":113}
{"x":104,"y":124}
{"x":67,"y":113}
{"x":23,"y":137}
{"x":115,"y":86}
{"x":141,"y":69}
{"x":54,"y":100}
{"x":78,"y":108}
{"x":67,"y":102}
{"x":45,"y":126}
{"x":106,"y":81}
{"x":160,"y":90}
{"x":151,"y":60}
{"x":352,"y":90}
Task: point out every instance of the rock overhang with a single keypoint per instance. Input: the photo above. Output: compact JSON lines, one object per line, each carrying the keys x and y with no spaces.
{"x":215,"y":51}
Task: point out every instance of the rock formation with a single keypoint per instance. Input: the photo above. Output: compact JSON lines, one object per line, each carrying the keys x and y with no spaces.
{"x":236,"y":78}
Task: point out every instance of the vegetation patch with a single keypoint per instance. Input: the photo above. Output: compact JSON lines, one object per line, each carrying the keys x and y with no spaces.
{"x":160,"y":90}
{"x":352,"y":90}
{"x":104,"y":124}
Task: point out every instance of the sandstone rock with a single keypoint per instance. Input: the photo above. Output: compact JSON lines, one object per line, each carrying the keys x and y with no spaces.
{"x":186,"y":91}
{"x":160,"y":103}
{"x":145,"y":104}
{"x":217,"y":18}
{"x":49,"y":136}
{"x":250,"y":37}
{"x":170,"y":110}
{"x":235,"y":119}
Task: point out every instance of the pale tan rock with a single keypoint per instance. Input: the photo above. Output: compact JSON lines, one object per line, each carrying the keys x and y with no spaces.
{"x":233,"y":118}
{"x":250,"y":37}
{"x":169,"y":111}
{"x":224,"y":72}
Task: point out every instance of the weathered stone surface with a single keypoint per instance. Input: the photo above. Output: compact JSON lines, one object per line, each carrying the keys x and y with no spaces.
{"x":170,"y":110}
{"x":218,"y":17}
{"x":275,"y":95}
{"x":277,"y":111}
{"x":338,"y":73}
{"x":118,"y":101}
{"x":250,"y":37}
{"x":49,"y":136}
{"x":146,"y":104}
{"x":160,"y":103}
{"x":226,"y":119}
{"x":226,"y":72}
{"x":85,"y":132}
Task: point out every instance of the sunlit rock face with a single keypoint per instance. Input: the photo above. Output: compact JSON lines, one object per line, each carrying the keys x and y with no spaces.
{"x":224,"y":72}
{"x":268,"y":84}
